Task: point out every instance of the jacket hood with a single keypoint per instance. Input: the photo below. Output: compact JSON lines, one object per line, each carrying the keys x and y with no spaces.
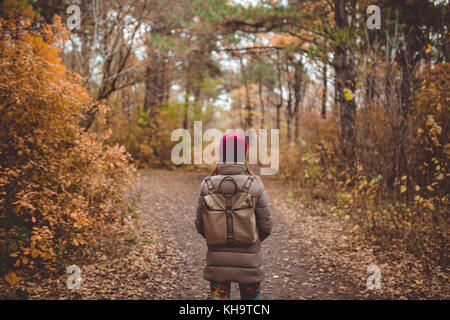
{"x":231,"y":168}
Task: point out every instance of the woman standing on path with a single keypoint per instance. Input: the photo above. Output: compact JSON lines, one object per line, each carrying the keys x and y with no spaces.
{"x":234,"y":216}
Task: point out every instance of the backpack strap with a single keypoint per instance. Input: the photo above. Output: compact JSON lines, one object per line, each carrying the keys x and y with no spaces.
{"x":229,"y":208}
{"x":209,"y":184}
{"x":247,"y":184}
{"x":229,"y":218}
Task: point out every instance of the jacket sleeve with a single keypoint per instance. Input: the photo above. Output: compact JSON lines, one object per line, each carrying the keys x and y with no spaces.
{"x":263,"y":213}
{"x":199,"y":218}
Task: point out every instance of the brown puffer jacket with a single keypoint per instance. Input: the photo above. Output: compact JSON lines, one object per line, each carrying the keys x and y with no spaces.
{"x":241,"y":264}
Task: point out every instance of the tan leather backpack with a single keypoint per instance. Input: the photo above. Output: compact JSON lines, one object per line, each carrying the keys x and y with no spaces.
{"x":229,"y":219}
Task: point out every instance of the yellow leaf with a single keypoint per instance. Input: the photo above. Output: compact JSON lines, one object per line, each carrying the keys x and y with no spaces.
{"x":417,"y":188}
{"x":12,"y":278}
{"x":75,"y":242}
{"x":402,"y":189}
{"x":348,"y":94}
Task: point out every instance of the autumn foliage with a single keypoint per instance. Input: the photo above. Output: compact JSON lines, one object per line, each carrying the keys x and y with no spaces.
{"x":59,"y":185}
{"x":362,"y":114}
{"x":411,"y":212}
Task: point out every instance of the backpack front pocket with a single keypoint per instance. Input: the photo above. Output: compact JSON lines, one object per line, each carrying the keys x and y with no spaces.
{"x":215,"y":226}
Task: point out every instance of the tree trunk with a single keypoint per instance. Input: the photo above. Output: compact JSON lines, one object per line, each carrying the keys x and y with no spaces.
{"x":345,"y":81}
{"x":154,"y":88}
{"x":297,"y":96}
{"x":197,"y":105}
{"x":248,"y":107}
{"x":337,"y":99}
{"x":289,"y":114}
{"x":288,"y":120}
{"x":407,"y":63}
{"x":280,"y":87}
{"x":324,"y":91}
{"x":278,"y":115}
{"x":186,"y":109}
{"x":261,"y":102}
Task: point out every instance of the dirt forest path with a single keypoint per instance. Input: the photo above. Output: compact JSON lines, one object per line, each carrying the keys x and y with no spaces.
{"x":309,"y":255}
{"x":296,"y":265}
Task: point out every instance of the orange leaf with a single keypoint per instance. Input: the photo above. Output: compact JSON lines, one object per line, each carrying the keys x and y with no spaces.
{"x":12,"y":278}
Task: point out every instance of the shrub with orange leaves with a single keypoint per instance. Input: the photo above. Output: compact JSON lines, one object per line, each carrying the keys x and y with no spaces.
{"x":59,"y":185}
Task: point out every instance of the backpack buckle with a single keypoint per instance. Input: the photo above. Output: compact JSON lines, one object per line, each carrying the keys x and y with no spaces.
{"x":209,"y":184}
{"x":247,"y":184}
